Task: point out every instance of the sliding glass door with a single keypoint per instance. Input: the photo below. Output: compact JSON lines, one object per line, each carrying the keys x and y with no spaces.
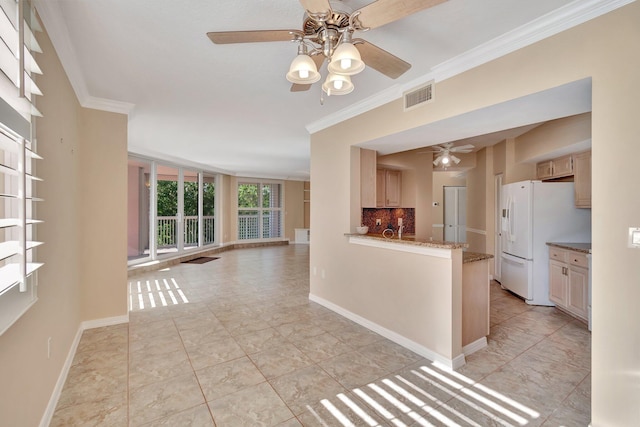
{"x":174,"y":205}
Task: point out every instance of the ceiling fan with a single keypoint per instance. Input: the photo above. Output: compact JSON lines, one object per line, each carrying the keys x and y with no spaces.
{"x":327,"y":34}
{"x":444,"y":155}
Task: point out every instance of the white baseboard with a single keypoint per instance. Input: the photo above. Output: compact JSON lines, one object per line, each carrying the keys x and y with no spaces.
{"x":471,"y":348}
{"x":423,"y":351}
{"x":107,"y":321}
{"x":62,"y":378}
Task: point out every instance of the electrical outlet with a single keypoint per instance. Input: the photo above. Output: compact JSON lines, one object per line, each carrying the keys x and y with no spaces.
{"x":378,"y":221}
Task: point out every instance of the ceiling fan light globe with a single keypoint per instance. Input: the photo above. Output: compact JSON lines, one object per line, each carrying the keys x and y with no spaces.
{"x":445,"y":160}
{"x":303,"y":70}
{"x":346,"y":60}
{"x":337,"y":84}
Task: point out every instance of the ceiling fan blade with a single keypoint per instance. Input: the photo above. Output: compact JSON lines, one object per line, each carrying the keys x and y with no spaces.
{"x":381,"y":60}
{"x":463,"y":148}
{"x":296,"y":87}
{"x":316,"y":8}
{"x":226,"y":37}
{"x":382,"y":12}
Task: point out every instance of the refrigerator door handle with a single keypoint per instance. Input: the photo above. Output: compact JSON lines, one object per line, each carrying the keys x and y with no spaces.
{"x":512,"y":226}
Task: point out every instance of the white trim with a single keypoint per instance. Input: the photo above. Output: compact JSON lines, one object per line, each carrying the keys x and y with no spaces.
{"x":557,"y":21}
{"x":107,"y":321}
{"x":62,"y":378}
{"x":402,"y":247}
{"x":437,"y":225}
{"x":477,"y":231}
{"x":107,"y":105}
{"x":419,"y":349}
{"x":52,"y":18}
{"x":471,"y":348}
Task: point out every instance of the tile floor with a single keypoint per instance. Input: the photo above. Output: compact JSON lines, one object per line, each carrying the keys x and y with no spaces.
{"x":236,"y":342}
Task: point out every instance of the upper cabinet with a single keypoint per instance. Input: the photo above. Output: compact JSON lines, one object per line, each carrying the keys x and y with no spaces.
{"x":582,"y":179}
{"x":555,"y":168}
{"x":577,"y":166}
{"x":368,"y":171}
{"x":390,"y":193}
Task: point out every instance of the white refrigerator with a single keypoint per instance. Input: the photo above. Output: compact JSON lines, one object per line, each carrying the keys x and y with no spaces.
{"x":534,"y":213}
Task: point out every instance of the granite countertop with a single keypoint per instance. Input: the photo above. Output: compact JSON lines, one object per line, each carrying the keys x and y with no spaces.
{"x":474,"y":256}
{"x":411,"y":240}
{"x":585,"y":248}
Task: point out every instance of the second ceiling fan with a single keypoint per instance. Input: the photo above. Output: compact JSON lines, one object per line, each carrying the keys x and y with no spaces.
{"x":327,"y":34}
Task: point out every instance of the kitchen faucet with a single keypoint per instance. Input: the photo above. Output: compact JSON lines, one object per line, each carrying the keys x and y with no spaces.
{"x":400,"y":231}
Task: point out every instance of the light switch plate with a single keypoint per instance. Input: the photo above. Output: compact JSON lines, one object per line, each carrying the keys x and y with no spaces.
{"x":634,"y":237}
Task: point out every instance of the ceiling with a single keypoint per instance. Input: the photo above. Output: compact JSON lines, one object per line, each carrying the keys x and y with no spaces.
{"x":228,"y":107}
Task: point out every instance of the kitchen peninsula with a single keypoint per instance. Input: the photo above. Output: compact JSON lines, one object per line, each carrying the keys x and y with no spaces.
{"x":432,"y":297}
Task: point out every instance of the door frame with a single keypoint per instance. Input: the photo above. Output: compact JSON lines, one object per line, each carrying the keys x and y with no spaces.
{"x":497,"y":233}
{"x":460,"y":234}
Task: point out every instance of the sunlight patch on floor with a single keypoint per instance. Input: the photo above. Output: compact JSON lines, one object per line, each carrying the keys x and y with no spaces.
{"x":402,"y":401}
{"x":147,"y":294}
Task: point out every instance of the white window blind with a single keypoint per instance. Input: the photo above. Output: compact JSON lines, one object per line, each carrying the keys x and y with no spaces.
{"x":18,"y":197}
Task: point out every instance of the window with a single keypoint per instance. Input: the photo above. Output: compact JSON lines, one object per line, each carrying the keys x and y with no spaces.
{"x":259,"y":210}
{"x":174,"y":204}
{"x":18,"y":266}
{"x":208,"y":208}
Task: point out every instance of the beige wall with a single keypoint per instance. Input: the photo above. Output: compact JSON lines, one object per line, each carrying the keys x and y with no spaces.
{"x":476,"y":203}
{"x":561,"y":135}
{"x":84,"y":276}
{"x":293,"y":208}
{"x":103,"y":209}
{"x":605,"y":49}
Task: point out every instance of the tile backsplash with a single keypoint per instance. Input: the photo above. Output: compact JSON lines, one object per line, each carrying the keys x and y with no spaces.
{"x":389,"y":219}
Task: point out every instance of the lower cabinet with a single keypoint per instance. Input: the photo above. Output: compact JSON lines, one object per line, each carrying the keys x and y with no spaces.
{"x":569,"y":281}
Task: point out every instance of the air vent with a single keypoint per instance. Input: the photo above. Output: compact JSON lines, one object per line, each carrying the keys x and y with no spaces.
{"x":418,"y":96}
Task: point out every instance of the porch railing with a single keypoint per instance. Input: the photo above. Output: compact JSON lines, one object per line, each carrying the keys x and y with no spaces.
{"x":167,"y":226}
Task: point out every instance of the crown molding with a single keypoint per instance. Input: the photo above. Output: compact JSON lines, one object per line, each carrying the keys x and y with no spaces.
{"x":555,"y":22}
{"x":107,"y":105}
{"x":52,"y":18}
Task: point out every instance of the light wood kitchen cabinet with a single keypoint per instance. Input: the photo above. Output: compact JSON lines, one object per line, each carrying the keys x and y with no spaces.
{"x":563,"y":166}
{"x":558,"y":282}
{"x":578,"y":291}
{"x":555,"y":168}
{"x":544,"y":170}
{"x":569,"y":281}
{"x":582,"y":179}
{"x":381,"y":192}
{"x":388,"y":188}
{"x":368,"y":170}
{"x":393,"y":188}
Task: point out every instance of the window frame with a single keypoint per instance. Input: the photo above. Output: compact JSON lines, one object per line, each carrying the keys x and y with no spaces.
{"x":261,"y":210}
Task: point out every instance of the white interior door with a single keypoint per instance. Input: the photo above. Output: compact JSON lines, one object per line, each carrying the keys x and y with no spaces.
{"x":455,"y":214}
{"x":497,"y":267}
